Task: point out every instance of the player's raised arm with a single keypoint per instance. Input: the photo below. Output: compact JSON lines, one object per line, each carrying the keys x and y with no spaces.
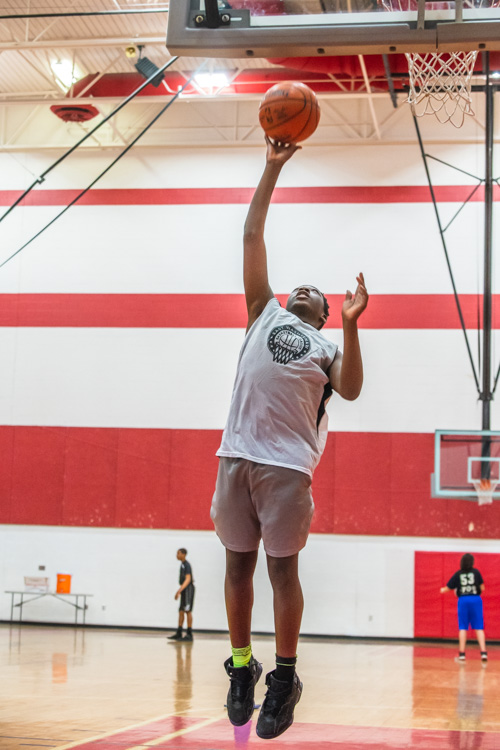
{"x":257,"y":289}
{"x":346,"y":372}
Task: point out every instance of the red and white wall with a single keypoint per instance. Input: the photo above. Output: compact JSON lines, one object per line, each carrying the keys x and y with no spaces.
{"x":119,"y":333}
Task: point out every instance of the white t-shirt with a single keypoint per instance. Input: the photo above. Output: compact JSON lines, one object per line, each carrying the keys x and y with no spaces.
{"x":277,"y":414}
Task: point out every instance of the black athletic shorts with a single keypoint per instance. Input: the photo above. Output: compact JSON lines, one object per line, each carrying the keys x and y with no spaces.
{"x":187,"y":599}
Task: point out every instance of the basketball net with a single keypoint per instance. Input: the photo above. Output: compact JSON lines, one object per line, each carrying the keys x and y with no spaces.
{"x":484,"y":490}
{"x":440,"y":84}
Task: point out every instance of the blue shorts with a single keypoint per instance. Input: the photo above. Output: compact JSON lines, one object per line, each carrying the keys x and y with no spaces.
{"x":470,"y":612}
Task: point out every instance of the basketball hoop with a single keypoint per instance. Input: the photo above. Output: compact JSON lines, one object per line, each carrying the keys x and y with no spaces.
{"x":440,"y":84}
{"x":484,"y":490}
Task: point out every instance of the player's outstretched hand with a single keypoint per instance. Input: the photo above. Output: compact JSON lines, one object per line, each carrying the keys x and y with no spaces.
{"x":355,"y":304}
{"x":279,"y":153}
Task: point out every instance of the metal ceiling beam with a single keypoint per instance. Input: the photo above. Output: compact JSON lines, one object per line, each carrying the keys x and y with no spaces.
{"x":116,"y":41}
{"x":343,"y":121}
{"x":229,"y":98}
{"x":370,"y":96}
{"x":202,"y":142}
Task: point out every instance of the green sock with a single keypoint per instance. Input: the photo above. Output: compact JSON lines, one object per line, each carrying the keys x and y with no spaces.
{"x":242,"y":656}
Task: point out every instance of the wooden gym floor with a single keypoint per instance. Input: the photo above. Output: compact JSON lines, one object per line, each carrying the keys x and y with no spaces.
{"x":131,"y":690}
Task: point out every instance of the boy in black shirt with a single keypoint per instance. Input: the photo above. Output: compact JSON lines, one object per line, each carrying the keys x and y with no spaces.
{"x":468,"y":584}
{"x":186,"y":594}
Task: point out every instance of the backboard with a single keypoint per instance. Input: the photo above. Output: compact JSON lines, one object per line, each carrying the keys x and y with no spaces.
{"x":462,"y":458}
{"x":277,"y":28}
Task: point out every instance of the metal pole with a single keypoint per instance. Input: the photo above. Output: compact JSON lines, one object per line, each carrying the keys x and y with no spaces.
{"x":212,"y":14}
{"x":486,"y":394}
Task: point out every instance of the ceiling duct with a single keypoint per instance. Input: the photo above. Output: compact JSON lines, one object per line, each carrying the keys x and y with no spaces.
{"x":74,"y":112}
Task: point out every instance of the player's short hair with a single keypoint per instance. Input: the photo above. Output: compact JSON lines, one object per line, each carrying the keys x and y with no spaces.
{"x":182,"y":550}
{"x":467,"y":562}
{"x":326,"y":307}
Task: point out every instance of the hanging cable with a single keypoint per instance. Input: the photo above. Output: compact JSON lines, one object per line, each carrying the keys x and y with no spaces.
{"x":443,"y":241}
{"x":132,"y":143}
{"x":480,"y":181}
{"x":41,"y":178}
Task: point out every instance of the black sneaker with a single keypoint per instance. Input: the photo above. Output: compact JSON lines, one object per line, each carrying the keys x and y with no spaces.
{"x":177,"y":636}
{"x":188,"y":636}
{"x":240,"y":697}
{"x":276,"y":714}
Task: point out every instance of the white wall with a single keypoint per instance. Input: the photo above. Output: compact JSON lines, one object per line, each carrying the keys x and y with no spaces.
{"x":148,"y":248}
{"x":98,"y":377}
{"x":91,"y":377}
{"x":357,"y":586}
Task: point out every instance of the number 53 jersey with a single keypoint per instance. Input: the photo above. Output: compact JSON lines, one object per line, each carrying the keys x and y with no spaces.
{"x":466,"y":582}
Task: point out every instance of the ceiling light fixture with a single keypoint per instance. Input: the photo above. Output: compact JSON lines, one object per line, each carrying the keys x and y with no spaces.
{"x":211,"y":80}
{"x":66,"y":73}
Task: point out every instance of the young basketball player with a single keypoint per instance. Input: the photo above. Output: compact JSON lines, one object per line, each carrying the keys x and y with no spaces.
{"x":273,"y":440}
{"x":185,"y":593}
{"x":468,"y":585}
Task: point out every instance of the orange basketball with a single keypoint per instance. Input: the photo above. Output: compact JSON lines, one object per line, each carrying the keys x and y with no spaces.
{"x":289,"y":112}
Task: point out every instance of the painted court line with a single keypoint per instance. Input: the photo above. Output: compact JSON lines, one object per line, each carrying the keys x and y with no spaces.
{"x":87,"y":740}
{"x":307,"y":736}
{"x":179,"y":733}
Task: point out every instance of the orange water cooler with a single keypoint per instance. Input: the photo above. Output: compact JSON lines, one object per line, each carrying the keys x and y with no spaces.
{"x":63,"y":583}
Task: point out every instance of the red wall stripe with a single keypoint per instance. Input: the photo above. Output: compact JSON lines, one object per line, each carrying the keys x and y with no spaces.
{"x":385,"y":311}
{"x":366,"y":483}
{"x":435,"y":614}
{"x":225,"y":196}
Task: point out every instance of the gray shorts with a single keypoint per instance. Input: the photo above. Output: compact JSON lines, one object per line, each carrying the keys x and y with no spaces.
{"x":255,"y":501}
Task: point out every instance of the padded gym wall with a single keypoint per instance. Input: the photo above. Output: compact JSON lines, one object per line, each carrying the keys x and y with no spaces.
{"x":435,"y":613}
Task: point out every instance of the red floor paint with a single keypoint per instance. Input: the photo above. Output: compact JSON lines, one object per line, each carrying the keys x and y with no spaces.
{"x":222,"y":736}
{"x":140,"y":735}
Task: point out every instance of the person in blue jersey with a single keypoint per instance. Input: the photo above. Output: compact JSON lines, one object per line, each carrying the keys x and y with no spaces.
{"x":274,"y":437}
{"x":469,"y":585}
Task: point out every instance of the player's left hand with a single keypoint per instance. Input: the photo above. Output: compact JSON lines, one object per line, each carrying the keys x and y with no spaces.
{"x":177,"y":595}
{"x":355,"y":304}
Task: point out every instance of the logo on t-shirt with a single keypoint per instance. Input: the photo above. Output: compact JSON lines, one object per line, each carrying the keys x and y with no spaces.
{"x":286,"y":343}
{"x":468,"y":583}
